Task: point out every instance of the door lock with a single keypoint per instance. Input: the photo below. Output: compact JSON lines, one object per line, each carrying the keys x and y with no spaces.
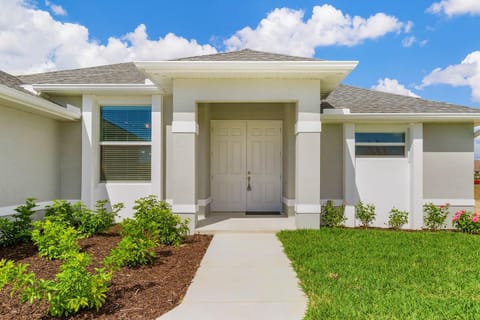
{"x":249,"y":187}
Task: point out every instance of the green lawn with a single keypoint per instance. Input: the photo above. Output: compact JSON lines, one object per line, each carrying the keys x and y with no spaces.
{"x":374,"y":274}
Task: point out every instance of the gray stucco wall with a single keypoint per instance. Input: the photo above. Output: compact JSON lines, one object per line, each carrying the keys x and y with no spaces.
{"x":70,"y":139}
{"x":29,"y":159}
{"x":331,"y":166}
{"x":448,"y":161}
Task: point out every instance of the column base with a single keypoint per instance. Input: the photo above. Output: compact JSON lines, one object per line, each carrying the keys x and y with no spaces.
{"x":307,"y":220}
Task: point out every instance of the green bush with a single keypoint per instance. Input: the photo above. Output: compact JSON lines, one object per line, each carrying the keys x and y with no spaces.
{"x":77,"y":215}
{"x":73,"y":289}
{"x":397,"y":218}
{"x":18,"y":229}
{"x":365,"y":213}
{"x":55,"y":239}
{"x":159,"y":222}
{"x":434,"y":217}
{"x":131,"y":252}
{"x":76,"y":288}
{"x":333,"y":216}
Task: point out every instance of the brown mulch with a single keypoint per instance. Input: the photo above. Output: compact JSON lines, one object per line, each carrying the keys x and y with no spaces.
{"x":141,"y":293}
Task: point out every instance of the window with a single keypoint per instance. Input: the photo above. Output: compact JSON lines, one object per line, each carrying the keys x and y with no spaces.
{"x":380,"y":144}
{"x":125,"y":143}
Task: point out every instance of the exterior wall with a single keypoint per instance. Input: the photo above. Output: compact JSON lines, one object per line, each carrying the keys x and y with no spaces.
{"x":448,"y":162}
{"x":70,"y":136}
{"x":30,"y":157}
{"x":331,"y":166}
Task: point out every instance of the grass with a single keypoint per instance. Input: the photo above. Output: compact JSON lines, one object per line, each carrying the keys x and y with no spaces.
{"x":375,"y":274}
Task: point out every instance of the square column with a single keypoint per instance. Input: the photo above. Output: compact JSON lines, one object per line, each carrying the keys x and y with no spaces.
{"x":157,"y":143}
{"x":308,"y":206}
{"x":350,"y":192}
{"x":184,"y":135}
{"x":416,"y":175}
{"x":89,"y":152}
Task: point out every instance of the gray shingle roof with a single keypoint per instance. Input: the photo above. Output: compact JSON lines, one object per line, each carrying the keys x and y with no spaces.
{"x":9,"y":80}
{"x":360,"y":100}
{"x":246,"y":55}
{"x":112,"y":73}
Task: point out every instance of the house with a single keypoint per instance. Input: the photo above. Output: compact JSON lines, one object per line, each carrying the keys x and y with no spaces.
{"x":232,"y":132}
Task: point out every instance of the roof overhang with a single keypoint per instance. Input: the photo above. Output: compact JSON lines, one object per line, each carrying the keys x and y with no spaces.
{"x":29,"y":103}
{"x":330,"y":73}
{"x":109,"y":88}
{"x":402,"y":117}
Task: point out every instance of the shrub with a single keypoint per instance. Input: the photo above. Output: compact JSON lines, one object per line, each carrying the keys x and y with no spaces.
{"x":466,"y":221}
{"x":55,"y":239}
{"x":76,"y":288}
{"x":434,"y":217}
{"x":333,"y":216}
{"x":131,"y":252}
{"x":159,"y":222}
{"x":73,"y":289}
{"x":365,"y":213}
{"x":18,"y":229}
{"x":87,"y":221}
{"x":397,"y":218}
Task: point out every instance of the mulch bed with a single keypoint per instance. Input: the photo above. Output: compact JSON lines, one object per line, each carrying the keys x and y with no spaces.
{"x":141,"y":293}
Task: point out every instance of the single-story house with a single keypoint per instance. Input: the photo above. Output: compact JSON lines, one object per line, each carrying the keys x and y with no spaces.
{"x":231,"y":132}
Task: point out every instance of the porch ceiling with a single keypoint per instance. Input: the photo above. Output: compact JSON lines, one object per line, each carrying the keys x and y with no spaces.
{"x":330,"y":73}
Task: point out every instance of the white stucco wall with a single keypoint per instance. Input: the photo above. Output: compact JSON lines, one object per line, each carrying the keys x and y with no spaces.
{"x":29,"y":157}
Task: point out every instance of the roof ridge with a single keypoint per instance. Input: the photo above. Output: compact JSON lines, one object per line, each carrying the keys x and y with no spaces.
{"x":250,"y":54}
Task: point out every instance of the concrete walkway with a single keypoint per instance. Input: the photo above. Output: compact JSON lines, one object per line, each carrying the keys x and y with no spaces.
{"x":243,"y":276}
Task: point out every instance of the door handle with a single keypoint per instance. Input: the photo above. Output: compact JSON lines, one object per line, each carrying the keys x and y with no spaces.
{"x":249,"y":187}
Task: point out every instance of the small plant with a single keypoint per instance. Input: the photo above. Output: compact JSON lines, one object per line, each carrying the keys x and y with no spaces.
{"x":131,"y":252}
{"x":466,"y":221}
{"x":87,"y":221}
{"x":18,"y":229}
{"x":365,"y":213}
{"x":333,"y":216}
{"x":73,"y":289}
{"x":397,"y":218}
{"x":55,"y":240}
{"x":76,"y":288}
{"x":434,"y":217}
{"x":158,"y":220}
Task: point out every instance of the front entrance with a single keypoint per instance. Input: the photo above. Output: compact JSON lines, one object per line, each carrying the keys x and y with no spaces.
{"x":246,"y":165}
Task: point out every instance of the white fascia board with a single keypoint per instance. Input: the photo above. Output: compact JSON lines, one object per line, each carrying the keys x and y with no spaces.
{"x":38,"y":105}
{"x":97,"y":88}
{"x":176,"y":69}
{"x":459,"y":117}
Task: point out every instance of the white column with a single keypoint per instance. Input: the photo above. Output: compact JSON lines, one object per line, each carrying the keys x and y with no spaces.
{"x":184,"y":134}
{"x":89,"y":161}
{"x":416,"y":175}
{"x":157,"y":143}
{"x":307,"y":168}
{"x":350,"y":192}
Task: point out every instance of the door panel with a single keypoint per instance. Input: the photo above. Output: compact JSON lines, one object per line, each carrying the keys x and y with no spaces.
{"x":228,"y":165}
{"x":242,"y":149}
{"x":264,"y":165}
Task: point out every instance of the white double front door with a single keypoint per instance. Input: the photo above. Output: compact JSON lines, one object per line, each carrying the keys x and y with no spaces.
{"x":246,"y":165}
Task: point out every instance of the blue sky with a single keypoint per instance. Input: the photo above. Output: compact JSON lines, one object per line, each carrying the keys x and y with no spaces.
{"x":428,"y":48}
{"x":439,"y":40}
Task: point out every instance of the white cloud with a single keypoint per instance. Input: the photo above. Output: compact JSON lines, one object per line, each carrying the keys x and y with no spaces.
{"x":31,"y":40}
{"x":393,"y":86}
{"x":455,"y":7}
{"x":408,"y":41}
{"x":285,"y":30}
{"x":56,"y":9}
{"x":466,"y":73}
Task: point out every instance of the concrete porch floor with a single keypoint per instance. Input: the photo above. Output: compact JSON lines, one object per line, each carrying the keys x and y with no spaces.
{"x":219,"y":222}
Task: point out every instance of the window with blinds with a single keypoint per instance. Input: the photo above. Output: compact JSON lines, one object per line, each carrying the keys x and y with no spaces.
{"x":380,"y":144}
{"x":125,"y":143}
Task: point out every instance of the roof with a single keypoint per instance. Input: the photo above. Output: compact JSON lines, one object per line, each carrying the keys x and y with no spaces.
{"x":360,"y":100}
{"x":112,"y":73}
{"x":12,"y":82}
{"x":246,"y":55}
